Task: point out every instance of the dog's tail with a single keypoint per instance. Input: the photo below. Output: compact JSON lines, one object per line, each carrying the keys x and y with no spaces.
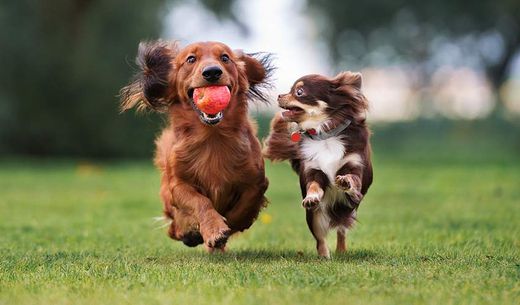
{"x":278,"y":145}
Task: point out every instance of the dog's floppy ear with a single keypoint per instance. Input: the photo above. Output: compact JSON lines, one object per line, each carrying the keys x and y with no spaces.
{"x":258,"y":68}
{"x":151,"y":86}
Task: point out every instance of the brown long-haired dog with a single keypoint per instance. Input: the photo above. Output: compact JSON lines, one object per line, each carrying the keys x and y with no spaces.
{"x":213,"y":180}
{"x":329,"y":149}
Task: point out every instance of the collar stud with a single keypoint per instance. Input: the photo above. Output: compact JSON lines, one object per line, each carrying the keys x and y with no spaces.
{"x":296,"y":136}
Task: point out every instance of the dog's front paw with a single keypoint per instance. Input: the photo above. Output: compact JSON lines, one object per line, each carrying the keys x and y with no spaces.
{"x":313,"y":197}
{"x":218,"y":240}
{"x":355,"y":197}
{"x":343,"y":182}
{"x":215,"y":232}
{"x":351,"y":185}
{"x":311,"y":201}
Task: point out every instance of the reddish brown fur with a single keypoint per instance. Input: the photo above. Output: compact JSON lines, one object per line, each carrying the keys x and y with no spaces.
{"x":277,"y":146}
{"x":325,"y":103}
{"x":213,"y":179}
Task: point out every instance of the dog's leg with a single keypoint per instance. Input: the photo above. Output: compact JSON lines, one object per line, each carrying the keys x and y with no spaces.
{"x":245,"y":211}
{"x":314,"y":195}
{"x":213,"y":228}
{"x":313,"y":183}
{"x":341,"y":245}
{"x":318,"y":223}
{"x":348,"y":178}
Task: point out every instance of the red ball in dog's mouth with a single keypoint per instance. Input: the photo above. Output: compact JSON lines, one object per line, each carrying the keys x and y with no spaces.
{"x":211,"y":99}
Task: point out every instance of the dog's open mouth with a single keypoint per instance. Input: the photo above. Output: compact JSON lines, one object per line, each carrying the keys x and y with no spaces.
{"x":291,"y":112}
{"x":206,"y":118}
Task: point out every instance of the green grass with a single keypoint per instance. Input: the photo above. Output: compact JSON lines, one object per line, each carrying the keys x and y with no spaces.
{"x":429,"y":233}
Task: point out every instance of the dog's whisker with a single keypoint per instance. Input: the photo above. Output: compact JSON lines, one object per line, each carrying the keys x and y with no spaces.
{"x":162,"y":226}
{"x":167,"y":221}
{"x":159,"y":219}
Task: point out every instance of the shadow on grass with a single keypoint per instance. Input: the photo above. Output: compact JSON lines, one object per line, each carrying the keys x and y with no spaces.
{"x":238,"y":256}
{"x":265,"y":256}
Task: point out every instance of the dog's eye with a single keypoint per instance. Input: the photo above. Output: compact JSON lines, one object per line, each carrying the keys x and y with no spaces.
{"x":191,"y":59}
{"x":224,"y":58}
{"x":299,"y":92}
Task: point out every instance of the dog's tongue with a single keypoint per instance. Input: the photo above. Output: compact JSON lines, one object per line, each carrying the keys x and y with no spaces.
{"x":286,"y":114}
{"x":212,"y":99}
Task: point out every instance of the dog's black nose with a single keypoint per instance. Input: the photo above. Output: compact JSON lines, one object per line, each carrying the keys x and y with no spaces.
{"x":212,"y":73}
{"x":279,"y":96}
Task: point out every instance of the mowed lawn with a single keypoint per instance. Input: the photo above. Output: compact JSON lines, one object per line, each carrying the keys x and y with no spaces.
{"x":429,"y":232}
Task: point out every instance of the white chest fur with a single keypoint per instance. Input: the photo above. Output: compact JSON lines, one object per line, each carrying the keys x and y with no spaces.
{"x":326,"y":155}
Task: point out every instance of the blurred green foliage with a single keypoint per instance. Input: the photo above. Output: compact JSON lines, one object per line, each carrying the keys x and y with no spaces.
{"x":412,"y":31}
{"x":64,"y":62}
{"x":421,"y":36}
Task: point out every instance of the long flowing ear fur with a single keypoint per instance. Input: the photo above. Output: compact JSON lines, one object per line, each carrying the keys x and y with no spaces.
{"x":150,"y":88}
{"x":259,"y":70}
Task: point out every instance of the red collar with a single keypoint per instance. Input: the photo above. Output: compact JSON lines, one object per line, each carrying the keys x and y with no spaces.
{"x":312,"y":133}
{"x":296,"y":136}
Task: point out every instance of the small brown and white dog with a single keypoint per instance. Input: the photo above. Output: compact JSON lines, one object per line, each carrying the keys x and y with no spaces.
{"x":329,"y":148}
{"x":212,"y":171}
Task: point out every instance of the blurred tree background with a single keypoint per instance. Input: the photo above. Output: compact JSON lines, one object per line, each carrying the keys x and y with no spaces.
{"x":412,"y":32}
{"x":65,"y":60}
